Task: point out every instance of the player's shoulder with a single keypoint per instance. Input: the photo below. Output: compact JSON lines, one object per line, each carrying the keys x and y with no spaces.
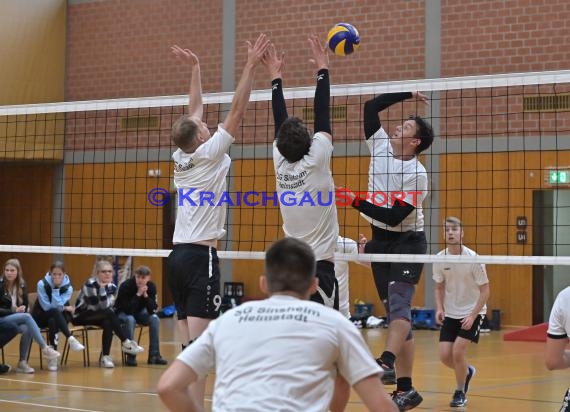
{"x":322,"y":139}
{"x":379,"y":135}
{"x":468,"y":251}
{"x":564,"y":295}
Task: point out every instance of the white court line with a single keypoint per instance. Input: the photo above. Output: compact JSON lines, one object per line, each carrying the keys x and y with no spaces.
{"x":78,"y":387}
{"x":206,"y":398}
{"x":48,"y":406}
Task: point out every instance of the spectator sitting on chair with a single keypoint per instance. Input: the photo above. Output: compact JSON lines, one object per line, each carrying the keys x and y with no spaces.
{"x":53,"y":310}
{"x":136,"y":303}
{"x":7,"y":333}
{"x":14,"y":308}
{"x":95,"y":307}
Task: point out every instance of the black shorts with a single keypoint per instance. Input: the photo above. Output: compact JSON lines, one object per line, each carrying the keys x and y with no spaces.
{"x":327,"y":292}
{"x":385,"y":241}
{"x":193,"y":273}
{"x":451,"y":329}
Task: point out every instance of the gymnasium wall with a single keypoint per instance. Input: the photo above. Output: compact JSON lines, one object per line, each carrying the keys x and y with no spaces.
{"x":122,"y":48}
{"x":487,"y":37}
{"x":32,"y":41}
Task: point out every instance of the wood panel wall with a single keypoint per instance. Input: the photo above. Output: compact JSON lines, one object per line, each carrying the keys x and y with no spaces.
{"x":26,"y":208}
{"x":487,"y":191}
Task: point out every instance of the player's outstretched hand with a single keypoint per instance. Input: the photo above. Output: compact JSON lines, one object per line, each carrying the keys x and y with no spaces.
{"x":320,"y":52}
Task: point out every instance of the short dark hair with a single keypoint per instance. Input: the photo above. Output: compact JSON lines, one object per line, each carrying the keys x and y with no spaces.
{"x":454,"y":221}
{"x":290,"y":266}
{"x":184,"y":132}
{"x":424,"y":133}
{"x":142,"y":270}
{"x":293,"y":140}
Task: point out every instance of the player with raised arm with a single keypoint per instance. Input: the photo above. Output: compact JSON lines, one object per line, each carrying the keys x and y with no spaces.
{"x":396,"y":175}
{"x":201,"y":164}
{"x":302,"y":170}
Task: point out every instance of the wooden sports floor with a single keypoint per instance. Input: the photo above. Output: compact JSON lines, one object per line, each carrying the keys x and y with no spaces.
{"x":510,"y":377}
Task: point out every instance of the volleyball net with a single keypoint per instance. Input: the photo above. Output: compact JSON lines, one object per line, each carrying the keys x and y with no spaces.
{"x":98,"y":174}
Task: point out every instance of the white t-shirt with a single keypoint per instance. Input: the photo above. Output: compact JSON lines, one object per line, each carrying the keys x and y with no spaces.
{"x":281,"y":353}
{"x":201,"y":181}
{"x":344,"y":245}
{"x":390,"y":178}
{"x":559,"y":322}
{"x":307,"y":187}
{"x":462,"y":281}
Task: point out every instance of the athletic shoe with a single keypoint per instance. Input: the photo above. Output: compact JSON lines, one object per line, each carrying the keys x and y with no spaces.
{"x":107,"y":362}
{"x":5,"y":368}
{"x":23,"y":367}
{"x":50,"y":353}
{"x":470,"y":373}
{"x":407,"y":400}
{"x":131,"y":347}
{"x":374,"y":322}
{"x":52,"y":365}
{"x":157,"y":360}
{"x":389,"y":375}
{"x":74,"y":344}
{"x":458,"y":399}
{"x":566,"y":402}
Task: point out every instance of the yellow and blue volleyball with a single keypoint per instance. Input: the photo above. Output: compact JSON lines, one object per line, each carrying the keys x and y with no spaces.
{"x":343,"y":39}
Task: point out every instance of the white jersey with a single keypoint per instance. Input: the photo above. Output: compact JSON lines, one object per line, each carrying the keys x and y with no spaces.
{"x":390,"y":179}
{"x":307,"y":197}
{"x":559,"y":322}
{"x":344,"y":245}
{"x":281,"y":353}
{"x":462,"y":281}
{"x":200,"y":178}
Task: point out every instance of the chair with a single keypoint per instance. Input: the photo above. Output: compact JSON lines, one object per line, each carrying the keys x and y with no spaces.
{"x":82,"y":332}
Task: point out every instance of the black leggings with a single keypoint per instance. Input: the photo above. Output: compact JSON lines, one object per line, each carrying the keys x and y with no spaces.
{"x":110,"y":323}
{"x":56,"y":321}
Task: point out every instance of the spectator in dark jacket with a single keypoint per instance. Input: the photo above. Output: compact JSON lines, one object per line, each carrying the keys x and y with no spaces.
{"x":136,"y":303}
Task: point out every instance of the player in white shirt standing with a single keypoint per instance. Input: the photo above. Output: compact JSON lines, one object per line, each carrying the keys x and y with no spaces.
{"x":342,"y":273}
{"x":303,"y":172}
{"x":282,"y":353}
{"x":461,"y":294}
{"x":397,"y":186}
{"x":201,"y":164}
{"x":557,"y":356}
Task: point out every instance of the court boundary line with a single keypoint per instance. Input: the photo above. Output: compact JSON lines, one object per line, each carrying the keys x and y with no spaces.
{"x":48,"y":406}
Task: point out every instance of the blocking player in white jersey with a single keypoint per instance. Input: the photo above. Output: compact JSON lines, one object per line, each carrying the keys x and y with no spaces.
{"x":201,"y":164}
{"x":557,"y":356}
{"x":341,"y":270}
{"x":461,"y":294}
{"x":303,"y":172}
{"x":282,"y":353}
{"x":397,"y":186}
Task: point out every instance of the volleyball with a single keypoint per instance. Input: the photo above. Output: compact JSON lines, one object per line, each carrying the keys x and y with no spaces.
{"x":343,"y":39}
